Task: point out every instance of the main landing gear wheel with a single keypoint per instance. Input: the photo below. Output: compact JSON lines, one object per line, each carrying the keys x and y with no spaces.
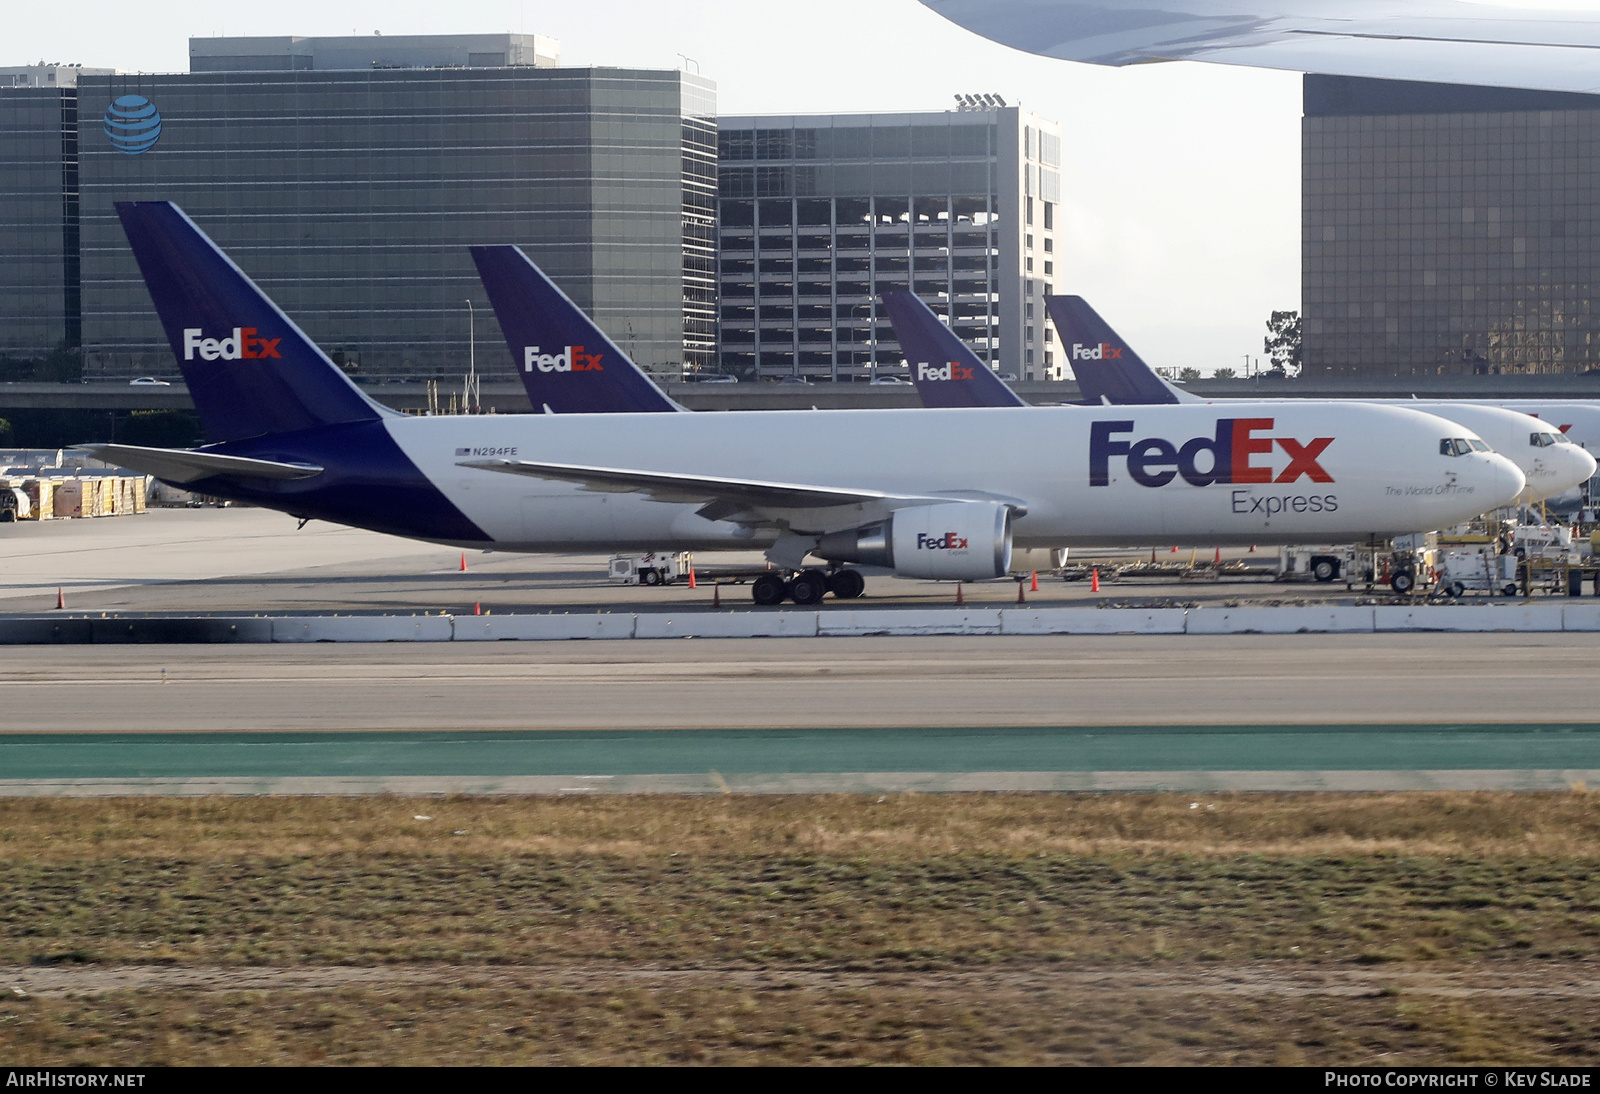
{"x":768,"y":589}
{"x":809,"y":587}
{"x":847,"y":584}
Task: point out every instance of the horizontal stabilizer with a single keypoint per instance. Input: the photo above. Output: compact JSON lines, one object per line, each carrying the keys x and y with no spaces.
{"x":186,"y":465}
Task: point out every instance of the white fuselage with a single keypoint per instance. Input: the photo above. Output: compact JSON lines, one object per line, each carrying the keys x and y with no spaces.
{"x":1363,"y":470}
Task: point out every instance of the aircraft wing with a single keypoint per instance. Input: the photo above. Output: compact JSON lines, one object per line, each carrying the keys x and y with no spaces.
{"x":1438,"y":41}
{"x":185,"y":465}
{"x":722,"y":497}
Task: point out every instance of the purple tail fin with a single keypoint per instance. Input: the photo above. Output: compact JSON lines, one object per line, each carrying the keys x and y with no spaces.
{"x":250,"y":370}
{"x":946,"y":372}
{"x":1105,"y":366}
{"x":567,"y":364}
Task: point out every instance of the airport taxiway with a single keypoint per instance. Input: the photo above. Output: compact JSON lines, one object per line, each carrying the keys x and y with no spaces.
{"x":1369,"y":711}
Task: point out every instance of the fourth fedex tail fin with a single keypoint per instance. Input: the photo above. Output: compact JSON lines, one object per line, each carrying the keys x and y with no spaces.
{"x":1106,"y":368}
{"x":946,"y":372}
{"x":567,"y":364}
{"x":250,"y":370}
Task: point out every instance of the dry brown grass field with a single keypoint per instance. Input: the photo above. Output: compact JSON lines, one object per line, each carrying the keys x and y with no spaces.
{"x":1316,"y":929}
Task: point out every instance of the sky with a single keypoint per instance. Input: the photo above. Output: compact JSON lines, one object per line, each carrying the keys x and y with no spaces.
{"x":1180,"y":217}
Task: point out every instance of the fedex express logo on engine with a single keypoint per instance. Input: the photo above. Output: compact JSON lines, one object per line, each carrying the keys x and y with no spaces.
{"x":947,"y":542}
{"x":1236,"y":454}
{"x":950,"y":370}
{"x":243,"y":346}
{"x":1105,"y":351}
{"x":570,"y":359}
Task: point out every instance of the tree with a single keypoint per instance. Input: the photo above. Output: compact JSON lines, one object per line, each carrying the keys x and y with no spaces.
{"x":1224,"y":374}
{"x":1282,"y":343}
{"x":1188,"y":374}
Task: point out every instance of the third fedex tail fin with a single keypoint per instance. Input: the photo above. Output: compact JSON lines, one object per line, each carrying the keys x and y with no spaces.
{"x":250,"y":370}
{"x":1106,"y":368}
{"x":567,"y":364}
{"x":946,"y":372}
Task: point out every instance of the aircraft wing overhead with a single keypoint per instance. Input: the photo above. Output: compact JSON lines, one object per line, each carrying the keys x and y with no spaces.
{"x":723,"y":497}
{"x":185,"y":465}
{"x":1439,"y":41}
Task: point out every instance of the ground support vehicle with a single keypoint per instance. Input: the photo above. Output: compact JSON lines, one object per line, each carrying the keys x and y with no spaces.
{"x":651,"y":568}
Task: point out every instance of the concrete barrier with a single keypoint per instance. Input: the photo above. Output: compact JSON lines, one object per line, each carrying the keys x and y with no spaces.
{"x":362,"y":628}
{"x":910,"y":621}
{"x":1580,"y":617}
{"x":542,"y":628}
{"x":1092,"y":621}
{"x":1480,"y":618}
{"x":777,"y":624}
{"x":1330,"y":619}
{"x":25,"y":631}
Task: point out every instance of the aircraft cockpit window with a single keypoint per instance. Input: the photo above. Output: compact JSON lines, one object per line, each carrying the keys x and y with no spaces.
{"x":1541,"y":440}
{"x":1480,"y":446}
{"x":1454,"y":446}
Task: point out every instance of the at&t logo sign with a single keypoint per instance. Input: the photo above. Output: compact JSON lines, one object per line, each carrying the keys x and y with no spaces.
{"x":133,"y":124}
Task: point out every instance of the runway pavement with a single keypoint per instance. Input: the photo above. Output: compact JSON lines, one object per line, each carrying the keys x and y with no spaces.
{"x":872,"y":713}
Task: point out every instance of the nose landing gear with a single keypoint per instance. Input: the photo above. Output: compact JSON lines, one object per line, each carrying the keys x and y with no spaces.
{"x":806,"y":587}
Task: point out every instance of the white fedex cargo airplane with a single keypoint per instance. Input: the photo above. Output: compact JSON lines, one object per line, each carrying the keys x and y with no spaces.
{"x":1108,"y":370}
{"x":925,"y":493}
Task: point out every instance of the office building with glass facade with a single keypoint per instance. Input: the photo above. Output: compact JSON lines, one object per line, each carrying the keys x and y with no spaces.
{"x":1449,"y":229}
{"x":820,"y":214}
{"x":351,"y":194}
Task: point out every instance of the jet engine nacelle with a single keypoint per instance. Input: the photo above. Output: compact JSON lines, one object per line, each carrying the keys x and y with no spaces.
{"x":957,"y":541}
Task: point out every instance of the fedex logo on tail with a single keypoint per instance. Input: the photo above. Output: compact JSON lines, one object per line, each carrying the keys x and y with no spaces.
{"x":242,"y":346}
{"x":1104,"y":351}
{"x":1236,"y":454}
{"x":948,"y":371}
{"x":570,"y":359}
{"x":947,"y":542}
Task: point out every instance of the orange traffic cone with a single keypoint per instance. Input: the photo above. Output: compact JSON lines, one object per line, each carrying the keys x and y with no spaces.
{"x":61,"y":603}
{"x":1035,"y":586}
{"x":1216,"y":559}
{"x":691,"y":575}
{"x":1174,"y":550}
{"x":463,"y":562}
{"x":960,"y":600}
{"x":477,"y":609}
{"x":1094,"y":580}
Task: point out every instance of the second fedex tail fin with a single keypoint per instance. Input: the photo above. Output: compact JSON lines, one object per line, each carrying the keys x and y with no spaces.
{"x":567,"y":364}
{"x":1106,"y":368}
{"x":250,"y":370}
{"x":946,"y":372}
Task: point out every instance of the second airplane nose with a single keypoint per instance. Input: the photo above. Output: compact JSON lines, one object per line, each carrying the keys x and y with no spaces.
{"x":1498,"y":480}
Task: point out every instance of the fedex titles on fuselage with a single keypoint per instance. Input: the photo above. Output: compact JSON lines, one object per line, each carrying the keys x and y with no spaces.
{"x":1236,"y":455}
{"x":570,"y":359}
{"x":242,"y":345}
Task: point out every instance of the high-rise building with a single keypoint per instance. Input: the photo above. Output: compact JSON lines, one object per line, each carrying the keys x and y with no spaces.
{"x":348,"y":177}
{"x":1449,"y":229}
{"x":820,"y":214}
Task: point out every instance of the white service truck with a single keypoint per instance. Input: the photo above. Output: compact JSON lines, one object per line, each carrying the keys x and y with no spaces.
{"x":651,"y":568}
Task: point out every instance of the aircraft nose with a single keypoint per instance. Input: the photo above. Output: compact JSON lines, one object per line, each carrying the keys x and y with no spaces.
{"x":1584,"y":465}
{"x":1502,"y":480}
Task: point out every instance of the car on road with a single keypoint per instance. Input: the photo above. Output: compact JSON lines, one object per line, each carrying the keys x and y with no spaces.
{"x":148,"y":381}
{"x":718,"y":379}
